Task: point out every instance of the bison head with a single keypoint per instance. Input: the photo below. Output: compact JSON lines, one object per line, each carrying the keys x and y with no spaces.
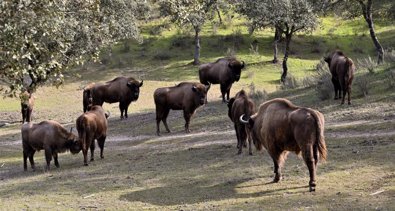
{"x":236,"y":67}
{"x":134,"y":86}
{"x":74,"y":143}
{"x":250,"y":122}
{"x":201,"y":93}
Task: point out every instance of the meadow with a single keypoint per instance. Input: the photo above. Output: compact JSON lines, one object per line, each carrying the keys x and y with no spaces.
{"x":201,"y":170}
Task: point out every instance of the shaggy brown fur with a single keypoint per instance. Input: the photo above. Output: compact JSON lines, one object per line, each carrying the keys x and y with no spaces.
{"x":281,"y":127}
{"x":224,"y":71}
{"x":87,"y":97}
{"x":27,"y":104}
{"x":92,"y":125}
{"x":239,"y":105}
{"x":50,"y":136}
{"x":342,"y":69}
{"x":186,"y":96}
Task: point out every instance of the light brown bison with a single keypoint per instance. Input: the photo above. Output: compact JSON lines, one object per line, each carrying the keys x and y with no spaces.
{"x":50,"y":136}
{"x":27,"y":104}
{"x":239,"y":105}
{"x":121,"y":89}
{"x":281,"y":127}
{"x":342,"y":69}
{"x":186,"y":96}
{"x":87,"y":97}
{"x":92,"y":125}
{"x":224,"y":71}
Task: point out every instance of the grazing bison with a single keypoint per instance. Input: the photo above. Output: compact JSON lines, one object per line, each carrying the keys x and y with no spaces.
{"x":50,"y":136}
{"x":92,"y":125}
{"x":342,"y":69}
{"x":224,"y":71}
{"x":27,"y":103}
{"x":186,"y":96}
{"x":121,"y":89}
{"x":282,"y":127}
{"x":239,"y":105}
{"x":87,"y":97}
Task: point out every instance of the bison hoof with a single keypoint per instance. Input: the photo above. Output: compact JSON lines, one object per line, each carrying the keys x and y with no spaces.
{"x":92,"y":159}
{"x":101,"y":157}
{"x":349,"y":103}
{"x":312,"y":189}
{"x":239,"y":152}
{"x":57,"y":166}
{"x":277,"y":179}
{"x":85,"y":164}
{"x":250,"y":153}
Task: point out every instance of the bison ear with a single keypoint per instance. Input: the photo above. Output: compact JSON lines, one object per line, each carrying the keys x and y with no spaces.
{"x":194,"y":88}
{"x":141,"y":83}
{"x":327,"y":59}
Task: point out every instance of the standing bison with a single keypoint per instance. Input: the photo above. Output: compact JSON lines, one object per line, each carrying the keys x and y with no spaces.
{"x":121,"y":89}
{"x":224,"y":71}
{"x":92,"y":125}
{"x":342,"y":69}
{"x":27,"y":103}
{"x":50,"y":136}
{"x":185,"y":96}
{"x":282,"y":127}
{"x":239,"y":105}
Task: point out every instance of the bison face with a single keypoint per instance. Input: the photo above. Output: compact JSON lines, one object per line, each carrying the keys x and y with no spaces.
{"x":135,"y":88}
{"x":75,"y":144}
{"x":201,"y":94}
{"x":236,"y":68}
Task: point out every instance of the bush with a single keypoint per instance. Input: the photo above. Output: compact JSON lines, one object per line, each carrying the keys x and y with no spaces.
{"x":389,"y":56}
{"x":258,"y":96}
{"x":367,"y":64}
{"x":391,"y":79}
{"x":162,"y":55}
{"x":181,"y":42}
{"x":230,"y":52}
{"x":363,"y":83}
{"x":289,"y":83}
{"x":324,"y":83}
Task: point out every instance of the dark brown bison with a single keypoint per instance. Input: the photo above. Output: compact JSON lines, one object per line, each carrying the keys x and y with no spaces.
{"x":342,"y":69}
{"x":239,"y":105}
{"x":50,"y":136}
{"x":282,"y":127}
{"x":27,"y":104}
{"x":224,"y":71}
{"x":186,"y":96}
{"x":87,"y":97}
{"x":121,"y":89}
{"x":92,"y":125}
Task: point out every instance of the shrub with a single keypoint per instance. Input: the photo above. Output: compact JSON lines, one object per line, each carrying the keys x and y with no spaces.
{"x":389,"y":56}
{"x":230,"y":52}
{"x":162,"y":55}
{"x":363,"y":83}
{"x":323,"y":78}
{"x":181,"y":42}
{"x":367,"y":64}
{"x":391,"y":79}
{"x":290,"y":83}
{"x":258,"y":96}
{"x":254,"y":49}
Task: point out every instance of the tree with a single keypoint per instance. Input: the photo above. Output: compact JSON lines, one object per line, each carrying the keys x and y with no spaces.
{"x":287,"y":17}
{"x":40,"y":40}
{"x":189,"y":12}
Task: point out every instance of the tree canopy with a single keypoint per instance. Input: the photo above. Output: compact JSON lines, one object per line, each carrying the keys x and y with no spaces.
{"x":41,"y":39}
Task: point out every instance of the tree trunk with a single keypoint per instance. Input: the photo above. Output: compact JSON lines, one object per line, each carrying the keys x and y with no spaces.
{"x":288,"y":37}
{"x":219,"y":14}
{"x":197,"y":47}
{"x":277,"y":37}
{"x":367,"y":14}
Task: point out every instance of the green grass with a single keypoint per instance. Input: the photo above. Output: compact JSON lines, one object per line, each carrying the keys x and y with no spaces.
{"x":201,"y":171}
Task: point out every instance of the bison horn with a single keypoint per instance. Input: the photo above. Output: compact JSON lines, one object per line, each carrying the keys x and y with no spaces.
{"x":242,"y":64}
{"x":107,"y":114}
{"x":141,"y":83}
{"x":208,"y":86}
{"x":71,"y":129}
{"x":242,"y":120}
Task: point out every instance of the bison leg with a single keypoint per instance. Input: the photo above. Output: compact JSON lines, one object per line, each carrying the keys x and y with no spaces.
{"x":238,"y":140}
{"x":223,"y":91}
{"x":48,"y":157}
{"x":55,"y":158}
{"x":85,"y":153}
{"x":336,"y":87}
{"x":349,"y":94}
{"x":92,"y":147}
{"x":249,"y":143}
{"x":187,"y":117}
{"x":164,"y":119}
{"x":29,"y":115}
{"x":101,"y":141}
{"x":311,"y":164}
{"x":121,"y":108}
{"x":24,"y":160}
{"x":31,"y":160}
{"x":278,"y":160}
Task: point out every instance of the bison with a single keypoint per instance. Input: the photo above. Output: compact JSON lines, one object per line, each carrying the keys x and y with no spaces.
{"x":224,"y":71}
{"x":238,"y":105}
{"x":342,"y":70}
{"x":281,"y":127}
{"x":92,"y":125}
{"x":87,"y":96}
{"x":121,"y":89}
{"x":27,"y":103}
{"x":186,"y":96}
{"x":50,"y":136}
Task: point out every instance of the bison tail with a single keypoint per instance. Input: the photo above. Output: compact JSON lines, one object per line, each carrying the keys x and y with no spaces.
{"x":320,"y":139}
{"x":82,"y":132}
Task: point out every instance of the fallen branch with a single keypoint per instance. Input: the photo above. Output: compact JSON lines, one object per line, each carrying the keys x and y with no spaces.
{"x":377,"y":192}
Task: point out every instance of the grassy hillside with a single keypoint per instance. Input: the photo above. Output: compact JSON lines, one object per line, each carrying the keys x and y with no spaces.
{"x":201,"y":171}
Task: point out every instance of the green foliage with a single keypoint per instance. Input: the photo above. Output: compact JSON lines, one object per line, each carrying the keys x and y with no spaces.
{"x":41,"y":39}
{"x":367,"y":64}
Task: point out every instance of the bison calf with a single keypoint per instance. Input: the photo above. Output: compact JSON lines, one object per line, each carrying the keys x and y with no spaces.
{"x":224,"y":71}
{"x":92,"y":125}
{"x":185,"y":96}
{"x":50,"y":136}
{"x":281,"y":127}
{"x":27,"y":103}
{"x":239,"y":105}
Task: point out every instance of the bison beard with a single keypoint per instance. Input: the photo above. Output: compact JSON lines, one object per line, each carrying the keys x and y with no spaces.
{"x":92,"y":125}
{"x":282,"y":127}
{"x":185,"y":96}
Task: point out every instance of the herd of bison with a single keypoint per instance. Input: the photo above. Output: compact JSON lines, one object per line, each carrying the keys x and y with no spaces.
{"x":277,"y":125}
